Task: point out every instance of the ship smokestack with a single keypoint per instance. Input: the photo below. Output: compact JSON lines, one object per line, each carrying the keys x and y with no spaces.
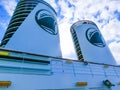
{"x":89,"y":43}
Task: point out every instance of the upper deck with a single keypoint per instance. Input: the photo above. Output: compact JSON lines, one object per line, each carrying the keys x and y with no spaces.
{"x":27,"y":71}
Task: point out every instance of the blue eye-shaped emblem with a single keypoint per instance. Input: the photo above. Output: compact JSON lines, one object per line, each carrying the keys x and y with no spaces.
{"x":46,"y":21}
{"x":94,"y":37}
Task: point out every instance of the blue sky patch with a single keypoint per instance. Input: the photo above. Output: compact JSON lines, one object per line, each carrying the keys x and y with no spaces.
{"x":117,"y":14}
{"x":100,"y":20}
{"x":56,"y":1}
{"x":69,"y":4}
{"x":97,"y":14}
{"x":106,"y":8}
{"x":60,"y":16}
{"x":3,"y":12}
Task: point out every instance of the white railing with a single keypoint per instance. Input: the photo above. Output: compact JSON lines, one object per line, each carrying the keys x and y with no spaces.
{"x":40,"y":64}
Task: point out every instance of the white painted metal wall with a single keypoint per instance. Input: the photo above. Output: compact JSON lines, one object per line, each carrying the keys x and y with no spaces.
{"x":35,"y":37}
{"x":95,"y":50}
{"x":51,"y":73}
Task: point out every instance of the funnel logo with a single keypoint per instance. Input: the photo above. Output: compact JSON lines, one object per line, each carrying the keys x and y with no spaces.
{"x":46,"y":21}
{"x":94,"y":37}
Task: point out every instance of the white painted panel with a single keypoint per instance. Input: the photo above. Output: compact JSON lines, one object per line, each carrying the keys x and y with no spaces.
{"x":33,"y":37}
{"x":92,"y":44}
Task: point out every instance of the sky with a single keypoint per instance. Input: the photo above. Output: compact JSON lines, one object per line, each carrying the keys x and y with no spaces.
{"x":105,"y":13}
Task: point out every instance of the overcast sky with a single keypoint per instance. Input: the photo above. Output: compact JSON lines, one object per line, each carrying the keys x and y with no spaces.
{"x":105,"y":13}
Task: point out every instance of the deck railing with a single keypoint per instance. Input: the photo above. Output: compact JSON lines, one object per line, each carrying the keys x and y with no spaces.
{"x":27,"y":63}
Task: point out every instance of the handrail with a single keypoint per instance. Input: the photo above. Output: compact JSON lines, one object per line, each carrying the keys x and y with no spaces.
{"x":26,"y":59}
{"x":74,"y":60}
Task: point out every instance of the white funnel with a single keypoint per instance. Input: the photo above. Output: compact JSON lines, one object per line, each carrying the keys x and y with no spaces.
{"x":89,"y":43}
{"x":38,"y":33}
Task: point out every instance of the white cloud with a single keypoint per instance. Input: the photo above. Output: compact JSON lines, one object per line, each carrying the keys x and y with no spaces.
{"x":66,"y":41}
{"x":111,"y":30}
{"x":9,"y":5}
{"x":115,"y":48}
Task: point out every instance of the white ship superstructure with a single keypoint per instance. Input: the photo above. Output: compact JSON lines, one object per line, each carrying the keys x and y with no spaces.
{"x":31,"y":59}
{"x":27,"y":71}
